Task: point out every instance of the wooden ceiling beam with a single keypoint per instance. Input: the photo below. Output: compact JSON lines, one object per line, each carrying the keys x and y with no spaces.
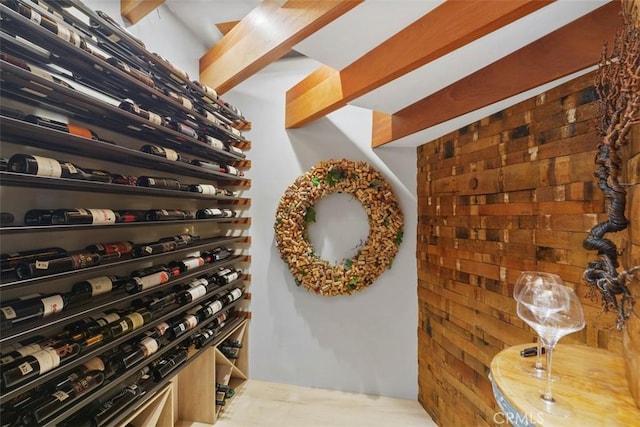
{"x":569,"y":49}
{"x":441,"y":31}
{"x":134,"y":10}
{"x":266,"y":34}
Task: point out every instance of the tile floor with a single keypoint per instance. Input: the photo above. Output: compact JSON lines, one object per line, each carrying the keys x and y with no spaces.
{"x":263,"y":404}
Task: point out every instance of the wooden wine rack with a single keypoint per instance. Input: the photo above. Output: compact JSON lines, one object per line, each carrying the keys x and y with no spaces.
{"x":92,"y":102}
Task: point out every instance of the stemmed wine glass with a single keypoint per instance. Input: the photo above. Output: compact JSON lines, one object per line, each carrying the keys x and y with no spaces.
{"x":535,"y":278}
{"x":553,"y":311}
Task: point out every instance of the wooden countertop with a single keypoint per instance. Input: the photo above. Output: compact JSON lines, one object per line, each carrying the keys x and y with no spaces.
{"x":592,"y":381}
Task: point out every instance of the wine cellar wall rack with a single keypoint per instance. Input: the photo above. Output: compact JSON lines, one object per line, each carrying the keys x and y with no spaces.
{"x":158,"y":162}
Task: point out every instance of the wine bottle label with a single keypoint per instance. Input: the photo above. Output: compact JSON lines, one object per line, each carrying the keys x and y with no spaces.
{"x":154,"y":118}
{"x":152,"y":182}
{"x":192,"y":321}
{"x":231,"y":277}
{"x":209,"y":91}
{"x":114,"y":38}
{"x":6,"y":359}
{"x":152,"y":280}
{"x":9,"y":312}
{"x":28,"y":349}
{"x":111,"y":317}
{"x":207,"y":189}
{"x":213,"y":212}
{"x":48,"y":359}
{"x":52,"y":304}
{"x":235,"y":131}
{"x":124,"y":325}
{"x":60,"y":395}
{"x":42,"y":265}
{"x":25,"y":368}
{"x":102,"y":216}
{"x":186,"y":103}
{"x":214,"y":142}
{"x":35,"y":17}
{"x":215,"y":306}
{"x":41,"y":73}
{"x":95,"y":364}
{"x":211,"y":117}
{"x":162,"y":328}
{"x":193,"y":263}
{"x":135,"y":108}
{"x":197,"y":292}
{"x":100,"y":285}
{"x":48,"y":167}
{"x":236,"y":293}
{"x":79,"y":131}
{"x":194,"y":309}
{"x":187,"y":130}
{"x":137,"y":319}
{"x":82,"y":260}
{"x":171,"y":154}
{"x":232,"y":170}
{"x":64,"y":33}
{"x":75,"y":38}
{"x":71,"y":167}
{"x":149,"y":346}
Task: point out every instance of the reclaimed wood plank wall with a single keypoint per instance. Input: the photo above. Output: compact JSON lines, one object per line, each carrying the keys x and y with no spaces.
{"x":514,"y":191}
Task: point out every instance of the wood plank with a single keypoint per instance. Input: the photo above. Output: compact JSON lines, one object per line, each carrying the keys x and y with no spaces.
{"x":225,"y":27}
{"x":567,"y":50}
{"x":134,"y":10}
{"x":255,"y":43}
{"x":446,"y":28}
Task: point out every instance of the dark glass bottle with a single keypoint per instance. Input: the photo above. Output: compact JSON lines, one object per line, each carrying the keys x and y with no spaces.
{"x":104,"y":249}
{"x":209,"y":213}
{"x":155,"y":302}
{"x":235,"y":150}
{"x":231,"y":296}
{"x":217,"y":254}
{"x":229,"y":342}
{"x":168,"y":215}
{"x":9,"y":261}
{"x":158,"y":182}
{"x":206,"y":189}
{"x":38,"y":363}
{"x":181,"y":99}
{"x":133,"y":72}
{"x":193,"y":293}
{"x":97,"y":333}
{"x":141,"y":112}
{"x":62,"y":397}
{"x":214,"y":142}
{"x":38,"y":217}
{"x":83,"y":216}
{"x":62,"y":127}
{"x":120,"y":179}
{"x":212,"y":166}
{"x":74,"y":261}
{"x":164,"y":366}
{"x":225,"y":275}
{"x":231,"y":170}
{"x":181,"y":240}
{"x":153,"y":248}
{"x":114,"y":404}
{"x":20,"y":310}
{"x":97,"y":286}
{"x":108,"y":32}
{"x":207,"y":94}
{"x":187,"y":264}
{"x":34,"y":70}
{"x":140,"y":283}
{"x":209,"y":309}
{"x":131,"y":215}
{"x":145,"y":348}
{"x":182,"y":325}
{"x":209,"y":116}
{"x":43,"y":166}
{"x":181,"y":127}
{"x":156,"y":150}
{"x":228,"y":213}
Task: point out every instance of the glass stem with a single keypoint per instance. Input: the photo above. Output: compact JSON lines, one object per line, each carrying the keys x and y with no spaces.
{"x":538,"y":365}
{"x":547,"y":396}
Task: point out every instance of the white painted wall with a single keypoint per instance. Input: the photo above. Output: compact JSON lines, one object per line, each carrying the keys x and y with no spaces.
{"x":362,"y":343}
{"x":365,"y":342}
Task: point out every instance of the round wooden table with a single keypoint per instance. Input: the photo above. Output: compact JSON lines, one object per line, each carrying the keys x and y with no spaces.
{"x":592,"y":381}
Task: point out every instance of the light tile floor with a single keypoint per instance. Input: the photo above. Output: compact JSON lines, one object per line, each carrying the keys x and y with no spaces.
{"x":263,"y":404}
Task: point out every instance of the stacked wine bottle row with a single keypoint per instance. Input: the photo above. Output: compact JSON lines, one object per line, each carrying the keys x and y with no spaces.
{"x":90,"y":332}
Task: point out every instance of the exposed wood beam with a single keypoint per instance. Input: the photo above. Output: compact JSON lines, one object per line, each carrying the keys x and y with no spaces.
{"x":446,"y":28}
{"x":266,"y":34}
{"x":135,"y":10}
{"x":569,"y":49}
{"x":225,"y":27}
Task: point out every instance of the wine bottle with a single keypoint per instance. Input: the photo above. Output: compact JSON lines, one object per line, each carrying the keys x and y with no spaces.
{"x":63,"y":127}
{"x":228,"y":213}
{"x":34,"y":70}
{"x":164,"y":366}
{"x":225,"y":275}
{"x":140,"y":112}
{"x":155,"y":302}
{"x":181,"y":99}
{"x":109,"y":33}
{"x":62,"y":397}
{"x":181,"y":240}
{"x":209,"y":213}
{"x":222,"y":387}
{"x":229,"y":352}
{"x":120,"y":179}
{"x":73,"y":261}
{"x":114,"y":405}
{"x":131,"y":216}
{"x":146,"y":347}
{"x":140,"y":283}
{"x":214,"y":142}
{"x":235,"y":150}
{"x":207,"y":94}
{"x":217,"y":254}
{"x":158,"y":182}
{"x":38,"y":363}
{"x":168,"y":215}
{"x":4,"y":164}
{"x":209,"y":309}
{"x":38,"y":217}
{"x":128,"y":323}
{"x":97,"y":286}
{"x":83,"y":216}
{"x":209,"y":116}
{"x":175,"y":73}
{"x":227,"y":192}
{"x":187,"y":264}
{"x":9,"y":261}
{"x":10,"y":352}
{"x":193,"y":292}
{"x":122,"y":248}
{"x":153,"y":248}
{"x":156,"y":150}
{"x":182,"y":325}
{"x":231,"y":170}
{"x":207,"y":165}
{"x":96,"y":332}
{"x":231,"y":296}
{"x":82,"y":329}
{"x":232,"y":343}
{"x":42,"y":166}
{"x":181,"y":127}
{"x":135,"y":73}
{"x":18,"y":311}
{"x":206,"y":189}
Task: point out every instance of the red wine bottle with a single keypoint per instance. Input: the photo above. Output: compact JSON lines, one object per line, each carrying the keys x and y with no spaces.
{"x":187,"y":264}
{"x":9,"y":261}
{"x":168,"y":215}
{"x":214,"y":142}
{"x":181,"y":240}
{"x":209,"y":213}
{"x":34,"y":70}
{"x":83,"y":216}
{"x":225,"y":275}
{"x":63,"y":127}
{"x":235,"y":150}
{"x":231,"y":170}
{"x":120,"y":248}
{"x":135,"y":73}
{"x":165,"y":366}
{"x":117,"y":178}
{"x":159,"y":182}
{"x":217,"y":254}
{"x":212,"y":166}
{"x":73,"y":261}
{"x":156,"y":150}
{"x":140,"y":112}
{"x":97,"y":286}
{"x":181,"y":127}
{"x":109,"y":33}
{"x":131,"y":215}
{"x":206,"y":189}
{"x":140,"y":282}
{"x":43,"y":166}
{"x":181,"y":99}
{"x":20,"y":310}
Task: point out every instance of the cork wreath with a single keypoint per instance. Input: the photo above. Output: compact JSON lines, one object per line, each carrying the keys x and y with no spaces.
{"x":296,"y":210}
